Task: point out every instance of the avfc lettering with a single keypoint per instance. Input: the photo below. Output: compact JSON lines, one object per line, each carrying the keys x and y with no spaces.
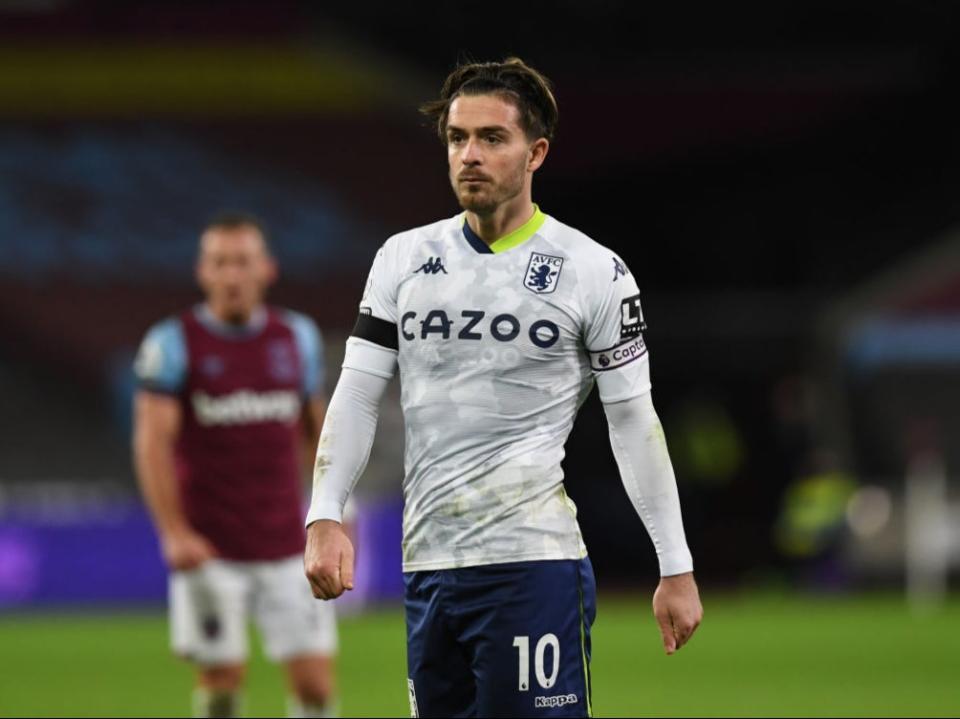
{"x":503,"y":327}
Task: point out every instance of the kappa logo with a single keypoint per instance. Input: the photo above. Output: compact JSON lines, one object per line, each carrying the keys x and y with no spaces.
{"x":619,"y":269}
{"x":555,"y":701}
{"x":432,"y":266}
{"x":543,"y":273}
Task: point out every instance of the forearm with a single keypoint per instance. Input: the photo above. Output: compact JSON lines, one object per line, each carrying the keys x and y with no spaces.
{"x":157,"y":477}
{"x":640,"y":449}
{"x":312,"y":420}
{"x":349,"y":428}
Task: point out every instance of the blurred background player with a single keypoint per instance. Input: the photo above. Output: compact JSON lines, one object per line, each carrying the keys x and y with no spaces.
{"x":229,"y":399}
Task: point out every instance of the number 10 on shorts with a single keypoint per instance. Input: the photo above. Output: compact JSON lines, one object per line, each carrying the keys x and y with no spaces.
{"x":523,"y":649}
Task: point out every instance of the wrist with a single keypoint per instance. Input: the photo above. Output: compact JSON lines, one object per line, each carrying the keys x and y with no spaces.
{"x":675,"y":580}
{"x":676,"y":562}
{"x":175,"y":530}
{"x":323,"y":510}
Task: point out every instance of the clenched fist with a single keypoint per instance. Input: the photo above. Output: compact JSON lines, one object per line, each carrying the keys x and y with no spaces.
{"x":328,"y":559}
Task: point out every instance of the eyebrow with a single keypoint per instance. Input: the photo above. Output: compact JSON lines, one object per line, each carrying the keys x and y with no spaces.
{"x":488,"y":129}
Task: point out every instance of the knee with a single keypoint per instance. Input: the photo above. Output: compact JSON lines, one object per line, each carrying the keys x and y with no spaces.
{"x":227,"y":678}
{"x":312,"y":682}
{"x":314,"y":691}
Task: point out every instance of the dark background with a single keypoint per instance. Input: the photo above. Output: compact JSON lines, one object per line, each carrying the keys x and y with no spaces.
{"x":760,"y":168}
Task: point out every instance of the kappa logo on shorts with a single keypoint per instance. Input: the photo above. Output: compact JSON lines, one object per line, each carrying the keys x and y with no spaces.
{"x":543,"y":273}
{"x":556,"y":701}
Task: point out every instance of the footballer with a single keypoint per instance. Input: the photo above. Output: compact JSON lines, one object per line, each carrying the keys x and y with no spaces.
{"x":499,"y":320}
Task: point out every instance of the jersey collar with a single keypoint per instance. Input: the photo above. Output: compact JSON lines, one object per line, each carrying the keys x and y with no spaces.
{"x":256,"y":323}
{"x":520,"y":235}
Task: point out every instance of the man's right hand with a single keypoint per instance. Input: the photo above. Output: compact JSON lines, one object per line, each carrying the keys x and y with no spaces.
{"x":185,"y":549}
{"x":328,"y":560}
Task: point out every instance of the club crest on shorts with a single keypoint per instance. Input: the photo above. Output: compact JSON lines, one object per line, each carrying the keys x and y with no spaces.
{"x":543,"y":273}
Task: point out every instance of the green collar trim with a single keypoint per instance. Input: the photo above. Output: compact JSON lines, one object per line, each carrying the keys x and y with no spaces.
{"x":515,"y":238}
{"x":520,"y":235}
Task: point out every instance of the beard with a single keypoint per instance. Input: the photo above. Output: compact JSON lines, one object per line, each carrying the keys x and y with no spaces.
{"x":486,"y":197}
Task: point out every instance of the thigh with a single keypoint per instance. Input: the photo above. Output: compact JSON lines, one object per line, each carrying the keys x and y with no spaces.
{"x":530,"y":639}
{"x":439,"y":678}
{"x":292,"y":622}
{"x":208,"y":613}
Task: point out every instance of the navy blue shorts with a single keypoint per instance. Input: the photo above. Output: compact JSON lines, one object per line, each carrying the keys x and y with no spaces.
{"x":501,"y":639}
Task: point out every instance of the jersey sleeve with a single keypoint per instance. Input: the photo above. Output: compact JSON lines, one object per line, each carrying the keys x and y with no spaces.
{"x":377,"y":321}
{"x":310,"y":348}
{"x":161,"y":362}
{"x":613,"y":333}
{"x":380,"y":294}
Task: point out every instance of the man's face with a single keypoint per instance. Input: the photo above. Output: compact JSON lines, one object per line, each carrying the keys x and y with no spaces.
{"x":234,"y":270}
{"x":488,"y":151}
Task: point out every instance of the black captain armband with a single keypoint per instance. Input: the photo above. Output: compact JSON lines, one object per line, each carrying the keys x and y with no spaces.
{"x":373,"y":329}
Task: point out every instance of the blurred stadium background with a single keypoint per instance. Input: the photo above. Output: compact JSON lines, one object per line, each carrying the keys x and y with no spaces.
{"x":783,"y":179}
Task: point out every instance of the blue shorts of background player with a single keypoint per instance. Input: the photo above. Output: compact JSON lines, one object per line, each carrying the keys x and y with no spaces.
{"x":501,"y":639}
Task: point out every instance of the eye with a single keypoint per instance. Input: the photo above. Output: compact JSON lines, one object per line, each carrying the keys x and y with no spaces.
{"x":455,"y":138}
{"x":493,"y":139}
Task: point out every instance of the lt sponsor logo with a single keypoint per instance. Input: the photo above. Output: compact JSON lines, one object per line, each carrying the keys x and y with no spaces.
{"x":631,"y":318}
{"x":543,"y":273}
{"x":560,"y":700}
{"x":246,"y":407}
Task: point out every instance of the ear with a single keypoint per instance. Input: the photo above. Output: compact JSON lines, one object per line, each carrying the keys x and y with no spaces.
{"x":538,"y":153}
{"x":198,"y":274}
{"x":271,"y":272}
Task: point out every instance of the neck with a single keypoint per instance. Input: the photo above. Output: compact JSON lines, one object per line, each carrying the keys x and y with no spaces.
{"x":503,"y":220}
{"x":220,"y":314}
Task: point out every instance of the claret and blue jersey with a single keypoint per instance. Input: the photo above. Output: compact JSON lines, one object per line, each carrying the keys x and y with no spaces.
{"x":242,"y":392}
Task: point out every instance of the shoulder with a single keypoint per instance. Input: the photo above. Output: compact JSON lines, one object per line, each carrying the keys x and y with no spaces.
{"x":168,"y":331}
{"x":162,"y":358}
{"x":402,"y":243}
{"x":296,"y":321}
{"x":590,"y":258}
{"x":302,"y":326}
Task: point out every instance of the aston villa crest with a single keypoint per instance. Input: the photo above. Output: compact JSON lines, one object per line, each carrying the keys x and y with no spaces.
{"x":543,"y":273}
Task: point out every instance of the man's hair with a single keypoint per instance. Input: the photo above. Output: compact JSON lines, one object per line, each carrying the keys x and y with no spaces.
{"x":511,"y":79}
{"x":235,"y":220}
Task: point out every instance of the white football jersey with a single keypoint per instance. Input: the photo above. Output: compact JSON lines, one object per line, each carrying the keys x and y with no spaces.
{"x":497,"y":351}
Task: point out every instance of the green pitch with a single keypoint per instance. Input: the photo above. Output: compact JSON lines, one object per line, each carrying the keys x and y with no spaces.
{"x":753,"y":657}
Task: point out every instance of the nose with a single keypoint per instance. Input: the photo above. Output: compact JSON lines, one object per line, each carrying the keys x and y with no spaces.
{"x":471,"y":153}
